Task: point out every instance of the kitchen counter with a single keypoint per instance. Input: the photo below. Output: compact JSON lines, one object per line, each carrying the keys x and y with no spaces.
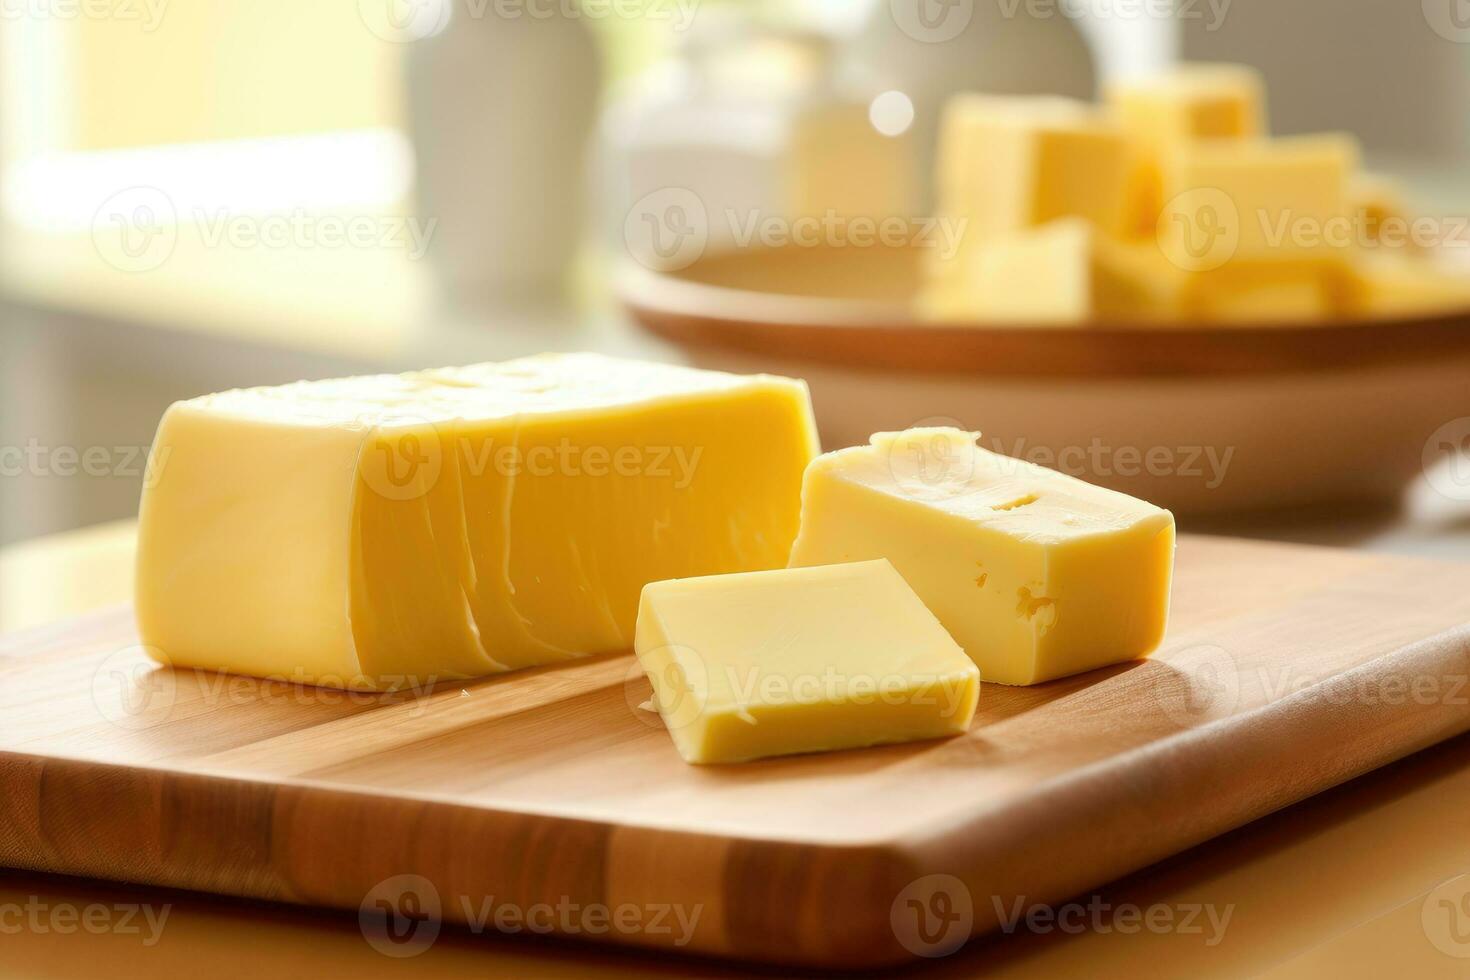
{"x":1342,"y":885}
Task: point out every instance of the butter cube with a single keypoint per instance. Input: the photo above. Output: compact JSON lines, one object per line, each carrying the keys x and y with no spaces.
{"x":1392,"y":284}
{"x":393,"y":531}
{"x":1269,"y":292}
{"x":1036,"y":574}
{"x":1009,"y":163}
{"x":800,"y":660}
{"x":1063,"y":273}
{"x":1257,"y":200}
{"x":842,"y":166}
{"x":1374,"y":199}
{"x":1188,"y":102}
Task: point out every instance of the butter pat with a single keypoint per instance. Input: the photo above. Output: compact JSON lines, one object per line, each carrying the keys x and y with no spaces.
{"x":800,"y":660}
{"x":1037,"y":575}
{"x":1063,"y":273}
{"x":394,"y":531}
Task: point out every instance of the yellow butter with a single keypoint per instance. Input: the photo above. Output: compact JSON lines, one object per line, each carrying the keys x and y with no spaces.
{"x":1257,"y":200}
{"x":1396,"y":284}
{"x":1062,"y":273}
{"x":1276,"y":292}
{"x":392,"y":531}
{"x":842,"y":167}
{"x":1037,"y":575}
{"x":1009,"y":163}
{"x":800,"y":660}
{"x":1374,"y":199}
{"x":1188,"y":102}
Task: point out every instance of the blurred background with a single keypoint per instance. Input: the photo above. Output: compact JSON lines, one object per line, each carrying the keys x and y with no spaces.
{"x":198,"y":195}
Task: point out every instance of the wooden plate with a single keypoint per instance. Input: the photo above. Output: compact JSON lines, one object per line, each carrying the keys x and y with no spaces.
{"x":1305,"y":413}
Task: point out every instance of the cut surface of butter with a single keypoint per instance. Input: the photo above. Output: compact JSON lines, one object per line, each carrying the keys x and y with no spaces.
{"x":1036,"y":574}
{"x":1062,"y":273}
{"x":800,"y":660}
{"x":393,"y":531}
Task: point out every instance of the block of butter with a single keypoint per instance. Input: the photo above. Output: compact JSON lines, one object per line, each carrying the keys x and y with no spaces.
{"x":800,"y":660}
{"x":1036,"y":574}
{"x":393,"y":531}
{"x":1062,"y":273}
{"x":1184,"y":103}
{"x":1257,"y":200}
{"x":1390,"y":283}
{"x":1281,"y":292}
{"x":1008,"y":163}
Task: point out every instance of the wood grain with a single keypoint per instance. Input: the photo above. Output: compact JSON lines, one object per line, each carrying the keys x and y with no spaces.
{"x":1287,"y":670}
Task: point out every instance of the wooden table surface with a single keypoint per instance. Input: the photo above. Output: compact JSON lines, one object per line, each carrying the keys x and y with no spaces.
{"x":1360,"y":881}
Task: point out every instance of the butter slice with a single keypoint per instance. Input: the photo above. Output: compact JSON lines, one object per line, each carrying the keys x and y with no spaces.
{"x":394,"y":531}
{"x":800,"y":660}
{"x":1036,"y":574}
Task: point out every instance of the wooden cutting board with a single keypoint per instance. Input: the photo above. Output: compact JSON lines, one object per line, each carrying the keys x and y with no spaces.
{"x":548,"y":800}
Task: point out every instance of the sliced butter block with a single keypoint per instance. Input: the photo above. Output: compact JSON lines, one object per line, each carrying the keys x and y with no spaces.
{"x":1257,"y":200}
{"x":1064,"y":273}
{"x":1188,"y":102}
{"x":1392,"y":284}
{"x":800,"y":660}
{"x":393,"y":531}
{"x":1036,"y":574}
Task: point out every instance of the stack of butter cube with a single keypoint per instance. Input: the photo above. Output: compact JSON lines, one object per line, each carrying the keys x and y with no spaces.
{"x":1168,"y":204}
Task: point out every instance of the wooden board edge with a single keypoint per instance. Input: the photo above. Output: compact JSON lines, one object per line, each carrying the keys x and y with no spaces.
{"x":1340,"y":728}
{"x":780,"y":902}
